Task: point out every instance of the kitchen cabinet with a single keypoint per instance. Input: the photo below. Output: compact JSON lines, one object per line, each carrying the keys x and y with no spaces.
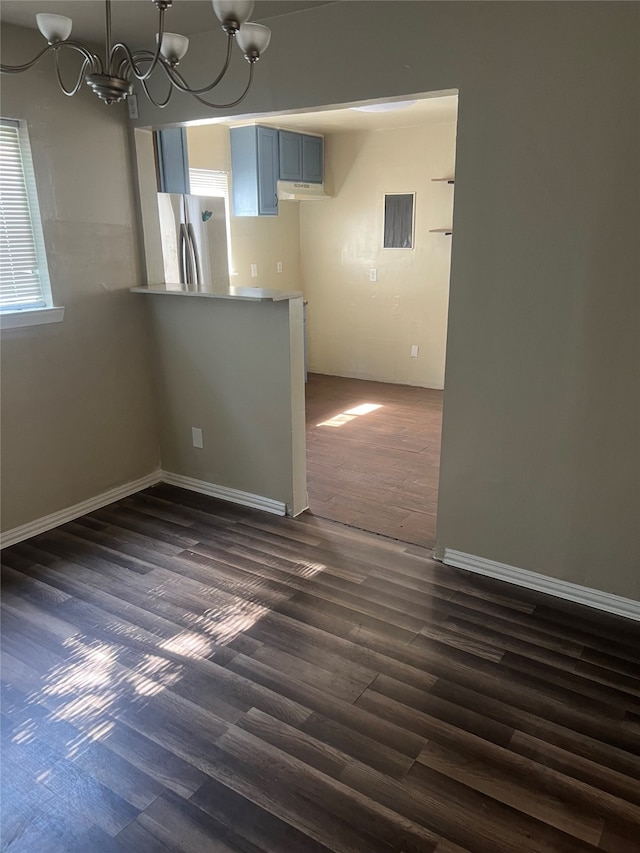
{"x":254,"y":168}
{"x":260,"y":156}
{"x":290,"y":148}
{"x":172,"y":160}
{"x":301,"y":157}
{"x":312,"y":159}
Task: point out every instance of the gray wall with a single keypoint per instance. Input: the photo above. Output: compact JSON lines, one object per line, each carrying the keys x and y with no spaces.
{"x":226,"y":367}
{"x":77,"y":410}
{"x":540,"y":458}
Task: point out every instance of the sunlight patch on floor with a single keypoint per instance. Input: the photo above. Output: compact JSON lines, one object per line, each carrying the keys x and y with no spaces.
{"x":91,"y":685}
{"x":224,"y":624}
{"x":350,"y":414}
{"x":309,"y":570}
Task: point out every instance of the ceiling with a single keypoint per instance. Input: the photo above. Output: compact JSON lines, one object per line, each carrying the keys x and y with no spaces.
{"x":437,"y":107}
{"x":135,"y":20}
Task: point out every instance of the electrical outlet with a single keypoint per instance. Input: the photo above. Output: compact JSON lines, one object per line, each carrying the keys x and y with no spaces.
{"x":279,"y":266}
{"x":254,"y":270}
{"x":196,"y":437}
{"x":373,"y":275}
{"x":414,"y":351}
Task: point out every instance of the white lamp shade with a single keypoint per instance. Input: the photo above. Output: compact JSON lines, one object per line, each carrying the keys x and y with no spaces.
{"x":253,"y":37}
{"x":233,"y":10}
{"x":54,"y":27}
{"x":174,"y":46}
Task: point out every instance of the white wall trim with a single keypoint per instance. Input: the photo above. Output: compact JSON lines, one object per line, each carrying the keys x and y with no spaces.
{"x":543,"y":583}
{"x":31,"y":317}
{"x":224,"y":493}
{"x":48,"y":522}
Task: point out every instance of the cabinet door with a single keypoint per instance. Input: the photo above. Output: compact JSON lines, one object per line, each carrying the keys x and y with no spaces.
{"x":312,"y":159}
{"x":267,"y":171}
{"x":173,"y":163}
{"x":244,"y":170}
{"x":290,"y":155}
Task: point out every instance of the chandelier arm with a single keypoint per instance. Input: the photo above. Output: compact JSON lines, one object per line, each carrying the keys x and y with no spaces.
{"x":130,"y":58}
{"x":180,"y":83}
{"x":90,"y":58}
{"x":160,"y":104}
{"x":231,"y":103}
{"x":177,"y":79}
{"x":18,"y":69}
{"x":70,"y":92}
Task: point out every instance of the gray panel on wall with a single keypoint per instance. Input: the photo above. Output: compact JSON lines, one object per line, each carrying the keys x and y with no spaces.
{"x":398,"y":221}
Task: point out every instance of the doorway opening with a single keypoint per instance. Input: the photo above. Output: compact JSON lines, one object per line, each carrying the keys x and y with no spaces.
{"x":375,"y":268}
{"x":371,"y":256}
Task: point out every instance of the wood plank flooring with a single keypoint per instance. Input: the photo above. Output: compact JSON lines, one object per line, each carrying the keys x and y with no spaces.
{"x":182,"y":675}
{"x":378,"y":470}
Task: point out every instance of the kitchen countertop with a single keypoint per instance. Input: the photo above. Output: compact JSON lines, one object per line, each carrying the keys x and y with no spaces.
{"x":251,"y":294}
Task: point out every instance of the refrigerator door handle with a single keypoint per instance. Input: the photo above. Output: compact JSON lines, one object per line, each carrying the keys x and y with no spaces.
{"x":187,"y":256}
{"x":182,"y":256}
{"x":195,"y":257}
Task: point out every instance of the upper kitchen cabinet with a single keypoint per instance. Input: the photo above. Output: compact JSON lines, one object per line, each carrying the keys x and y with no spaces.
{"x":301,"y":157}
{"x":172,"y":160}
{"x":254,"y":167}
{"x":290,"y":155}
{"x":312,"y":159}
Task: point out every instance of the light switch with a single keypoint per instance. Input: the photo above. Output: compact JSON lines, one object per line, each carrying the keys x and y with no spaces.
{"x":132,"y":104}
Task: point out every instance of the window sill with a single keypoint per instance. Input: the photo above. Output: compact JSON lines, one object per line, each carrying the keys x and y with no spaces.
{"x":30,"y":317}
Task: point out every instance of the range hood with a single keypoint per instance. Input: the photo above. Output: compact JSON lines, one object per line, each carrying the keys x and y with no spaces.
{"x":300,"y":191}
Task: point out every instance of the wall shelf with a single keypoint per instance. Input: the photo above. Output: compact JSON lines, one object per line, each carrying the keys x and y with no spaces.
{"x":442,"y":230}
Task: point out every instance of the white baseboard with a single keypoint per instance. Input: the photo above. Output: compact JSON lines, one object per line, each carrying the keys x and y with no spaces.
{"x":224,"y":493}
{"x":48,"y":522}
{"x":543,"y":583}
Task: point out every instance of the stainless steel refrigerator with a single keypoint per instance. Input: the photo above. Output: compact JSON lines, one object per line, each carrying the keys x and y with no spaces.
{"x":193,"y":231}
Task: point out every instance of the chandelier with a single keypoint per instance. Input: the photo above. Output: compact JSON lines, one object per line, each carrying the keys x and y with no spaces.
{"x":112,"y":79}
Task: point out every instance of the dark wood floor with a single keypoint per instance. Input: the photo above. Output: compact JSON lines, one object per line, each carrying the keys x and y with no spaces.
{"x":182,"y":675}
{"x":377,"y":471}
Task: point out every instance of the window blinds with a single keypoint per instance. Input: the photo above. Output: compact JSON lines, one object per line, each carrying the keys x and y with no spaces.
{"x":20,"y":282}
{"x":208,"y":182}
{"x":212,"y":183}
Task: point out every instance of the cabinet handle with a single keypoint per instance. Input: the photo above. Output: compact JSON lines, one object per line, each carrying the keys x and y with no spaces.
{"x":275,"y":198}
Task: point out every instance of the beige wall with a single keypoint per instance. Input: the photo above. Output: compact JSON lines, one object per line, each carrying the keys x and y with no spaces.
{"x":234,"y":370}
{"x":540,"y":450}
{"x":356,"y":327}
{"x":77,"y":414}
{"x":260,"y":240}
